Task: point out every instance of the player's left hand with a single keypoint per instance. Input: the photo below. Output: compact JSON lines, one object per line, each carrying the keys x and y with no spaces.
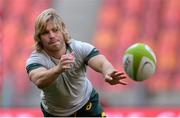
{"x":115,"y":78}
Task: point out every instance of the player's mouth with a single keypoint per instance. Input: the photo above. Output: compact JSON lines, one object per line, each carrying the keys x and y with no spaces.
{"x":53,"y":42}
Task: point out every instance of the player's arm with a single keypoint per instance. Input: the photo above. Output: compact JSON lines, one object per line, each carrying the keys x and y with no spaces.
{"x":100,"y":64}
{"x":43,"y":77}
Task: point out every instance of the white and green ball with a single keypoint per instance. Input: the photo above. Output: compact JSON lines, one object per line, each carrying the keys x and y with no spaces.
{"x":139,"y":62}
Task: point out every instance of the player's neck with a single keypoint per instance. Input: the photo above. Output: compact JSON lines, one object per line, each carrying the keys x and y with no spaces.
{"x":57,"y":54}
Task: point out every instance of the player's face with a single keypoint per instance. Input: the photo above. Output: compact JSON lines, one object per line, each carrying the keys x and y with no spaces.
{"x":52,"y":39}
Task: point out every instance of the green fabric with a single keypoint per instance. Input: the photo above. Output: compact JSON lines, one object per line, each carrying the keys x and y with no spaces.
{"x":30,"y":67}
{"x":92,"y":108}
{"x":93,"y":53}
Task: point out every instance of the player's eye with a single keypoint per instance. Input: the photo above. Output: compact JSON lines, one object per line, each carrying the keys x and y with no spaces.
{"x":55,"y":29}
{"x":44,"y":32}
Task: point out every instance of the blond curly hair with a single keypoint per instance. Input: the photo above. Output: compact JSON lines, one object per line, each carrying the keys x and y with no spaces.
{"x":41,"y":24}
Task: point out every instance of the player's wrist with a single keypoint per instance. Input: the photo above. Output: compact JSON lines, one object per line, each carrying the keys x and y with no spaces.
{"x":57,"y":70}
{"x":108,"y":71}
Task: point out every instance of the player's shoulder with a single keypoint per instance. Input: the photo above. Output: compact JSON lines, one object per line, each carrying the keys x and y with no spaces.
{"x":36,"y":55}
{"x":38,"y":58}
{"x":79,"y":44}
{"x":76,"y":42}
{"x":40,"y":54}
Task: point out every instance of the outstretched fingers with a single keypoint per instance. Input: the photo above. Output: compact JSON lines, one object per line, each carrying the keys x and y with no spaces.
{"x":115,"y":78}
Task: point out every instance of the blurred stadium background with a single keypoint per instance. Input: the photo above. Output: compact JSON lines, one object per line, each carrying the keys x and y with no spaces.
{"x":110,"y":25}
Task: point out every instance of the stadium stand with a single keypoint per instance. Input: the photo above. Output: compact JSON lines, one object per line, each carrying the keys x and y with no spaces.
{"x":155,"y":22}
{"x":17,"y":28}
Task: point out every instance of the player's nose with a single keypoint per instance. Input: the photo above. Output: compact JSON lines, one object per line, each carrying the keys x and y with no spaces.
{"x":51,"y":34}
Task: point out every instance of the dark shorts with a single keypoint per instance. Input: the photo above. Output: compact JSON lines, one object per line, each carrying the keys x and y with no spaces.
{"x":92,"y":108}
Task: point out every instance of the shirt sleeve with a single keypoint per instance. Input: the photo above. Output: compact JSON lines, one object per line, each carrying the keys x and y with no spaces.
{"x":35,"y":61}
{"x":93,"y":53}
{"x":88,"y":51}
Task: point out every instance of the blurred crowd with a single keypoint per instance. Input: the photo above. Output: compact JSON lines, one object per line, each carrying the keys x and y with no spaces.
{"x":120,"y":23}
{"x":17,"y":26}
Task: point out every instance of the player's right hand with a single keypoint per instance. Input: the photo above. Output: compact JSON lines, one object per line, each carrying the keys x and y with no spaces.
{"x":65,"y":62}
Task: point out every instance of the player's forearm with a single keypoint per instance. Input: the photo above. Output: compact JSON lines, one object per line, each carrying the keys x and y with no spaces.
{"x":101,"y":65}
{"x":106,"y":68}
{"x":46,"y":77}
